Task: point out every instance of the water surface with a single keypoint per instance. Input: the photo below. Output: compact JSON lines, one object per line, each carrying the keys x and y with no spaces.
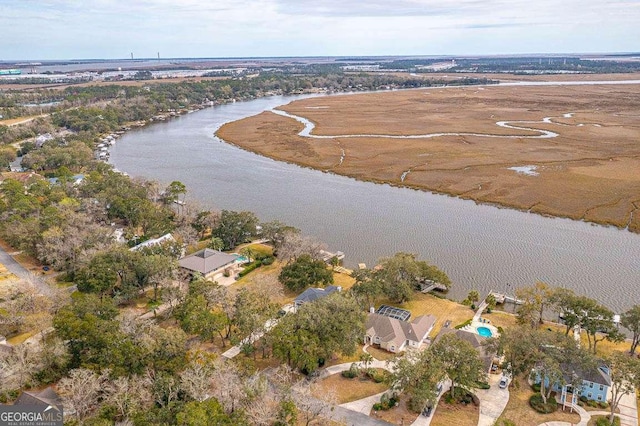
{"x":479,"y":246}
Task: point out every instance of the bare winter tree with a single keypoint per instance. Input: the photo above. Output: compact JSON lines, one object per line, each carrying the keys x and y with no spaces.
{"x":294,"y":245}
{"x":311,"y":407}
{"x":229,"y":387}
{"x":197,"y":379}
{"x":81,"y":391}
{"x":128,"y":395}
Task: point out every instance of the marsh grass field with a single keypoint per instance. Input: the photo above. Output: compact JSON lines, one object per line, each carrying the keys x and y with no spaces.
{"x":590,"y":171}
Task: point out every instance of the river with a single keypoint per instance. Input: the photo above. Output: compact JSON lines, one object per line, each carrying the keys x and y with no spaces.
{"x":480,"y":246}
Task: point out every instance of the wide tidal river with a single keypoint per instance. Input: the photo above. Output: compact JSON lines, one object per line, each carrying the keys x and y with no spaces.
{"x":480,"y":246}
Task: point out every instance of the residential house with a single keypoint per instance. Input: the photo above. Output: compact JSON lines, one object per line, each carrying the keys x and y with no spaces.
{"x":154,"y":242}
{"x":595,"y":383}
{"x":395,"y":335}
{"x":311,"y":294}
{"x":212,"y":264}
{"x":46,"y":399}
{"x":477,"y":341}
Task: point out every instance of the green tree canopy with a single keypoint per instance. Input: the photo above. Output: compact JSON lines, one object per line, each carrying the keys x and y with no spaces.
{"x":304,"y":272}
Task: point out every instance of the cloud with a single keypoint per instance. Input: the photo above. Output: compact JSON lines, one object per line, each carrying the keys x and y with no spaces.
{"x":113,"y":28}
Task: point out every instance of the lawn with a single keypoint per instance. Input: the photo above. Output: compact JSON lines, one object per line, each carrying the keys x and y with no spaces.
{"x":381,"y":354}
{"x":455,"y":414}
{"x":520,"y":412}
{"x":268,"y":276}
{"x":347,"y":390}
{"x":399,"y":415}
{"x":443,"y":309}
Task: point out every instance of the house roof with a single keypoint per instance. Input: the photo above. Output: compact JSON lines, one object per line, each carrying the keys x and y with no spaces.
{"x":311,"y":294}
{"x":593,"y":374}
{"x":45,"y":397}
{"x":206,"y":261}
{"x":392,"y":330}
{"x":477,"y":341}
{"x":154,"y":241}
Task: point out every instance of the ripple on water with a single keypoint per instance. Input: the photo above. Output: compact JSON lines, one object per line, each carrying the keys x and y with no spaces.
{"x":479,"y":246}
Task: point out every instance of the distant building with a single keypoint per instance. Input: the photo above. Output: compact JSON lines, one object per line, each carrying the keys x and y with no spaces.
{"x":312,"y":294}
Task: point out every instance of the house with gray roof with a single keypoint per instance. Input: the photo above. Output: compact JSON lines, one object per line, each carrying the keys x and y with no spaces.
{"x":477,"y":341}
{"x":45,"y":398}
{"x":210,"y":263}
{"x":395,"y":335}
{"x":311,"y":294}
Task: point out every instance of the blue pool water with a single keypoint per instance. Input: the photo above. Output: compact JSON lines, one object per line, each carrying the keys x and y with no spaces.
{"x":484,"y":331}
{"x":242,"y":259}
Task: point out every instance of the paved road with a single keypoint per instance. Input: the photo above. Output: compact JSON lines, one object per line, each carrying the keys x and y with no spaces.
{"x":38,"y":282}
{"x":13,"y":266}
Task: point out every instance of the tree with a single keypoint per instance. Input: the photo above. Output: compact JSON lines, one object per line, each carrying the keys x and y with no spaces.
{"x":253,"y":308}
{"x":491,"y":302}
{"x":631,"y":321}
{"x":216,"y":243}
{"x":305,"y":272}
{"x":535,"y":298}
{"x":598,"y":321}
{"x":367,"y":288}
{"x":173,"y":192}
{"x":197,"y":379}
{"x":473,"y":297}
{"x":460,"y":361}
{"x":292,"y":245}
{"x":235,"y":227}
{"x":402,"y":274}
{"x":569,"y":306}
{"x":624,"y":371}
{"x":332,"y":325}
{"x":417,"y":375}
{"x":518,"y":345}
{"x":558,"y":359}
{"x":276,"y":232}
{"x":128,"y":395}
{"x":81,"y":391}
{"x":205,"y":413}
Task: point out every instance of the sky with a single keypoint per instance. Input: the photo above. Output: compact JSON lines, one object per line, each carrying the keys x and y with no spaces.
{"x":82,"y":29}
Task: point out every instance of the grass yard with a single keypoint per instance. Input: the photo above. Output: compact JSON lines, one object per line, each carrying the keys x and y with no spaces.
{"x":520,"y":412}
{"x":455,"y":414}
{"x":399,"y":415}
{"x":381,"y":354}
{"x":443,"y":309}
{"x":347,"y":390}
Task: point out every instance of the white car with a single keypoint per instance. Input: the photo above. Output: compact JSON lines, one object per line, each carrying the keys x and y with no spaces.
{"x":504,"y":382}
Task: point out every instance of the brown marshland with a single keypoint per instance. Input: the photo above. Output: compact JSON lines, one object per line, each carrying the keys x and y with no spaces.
{"x":590,"y":171}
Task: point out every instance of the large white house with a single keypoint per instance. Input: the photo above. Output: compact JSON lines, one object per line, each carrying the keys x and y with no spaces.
{"x":395,"y":335}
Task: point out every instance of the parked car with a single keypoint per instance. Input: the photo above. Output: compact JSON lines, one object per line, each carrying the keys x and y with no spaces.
{"x":427,"y":411}
{"x":504,"y":381}
{"x":439,"y":388}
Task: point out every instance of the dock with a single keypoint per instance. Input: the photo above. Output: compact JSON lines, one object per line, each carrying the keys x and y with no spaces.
{"x":502,"y":298}
{"x":430,"y":285}
{"x":327,"y":255}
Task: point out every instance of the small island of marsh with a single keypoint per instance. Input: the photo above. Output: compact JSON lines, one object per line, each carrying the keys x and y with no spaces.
{"x":566,"y":150}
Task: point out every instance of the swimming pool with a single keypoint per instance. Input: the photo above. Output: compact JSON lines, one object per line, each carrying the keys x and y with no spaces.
{"x":240,"y":258}
{"x":484,"y":332}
